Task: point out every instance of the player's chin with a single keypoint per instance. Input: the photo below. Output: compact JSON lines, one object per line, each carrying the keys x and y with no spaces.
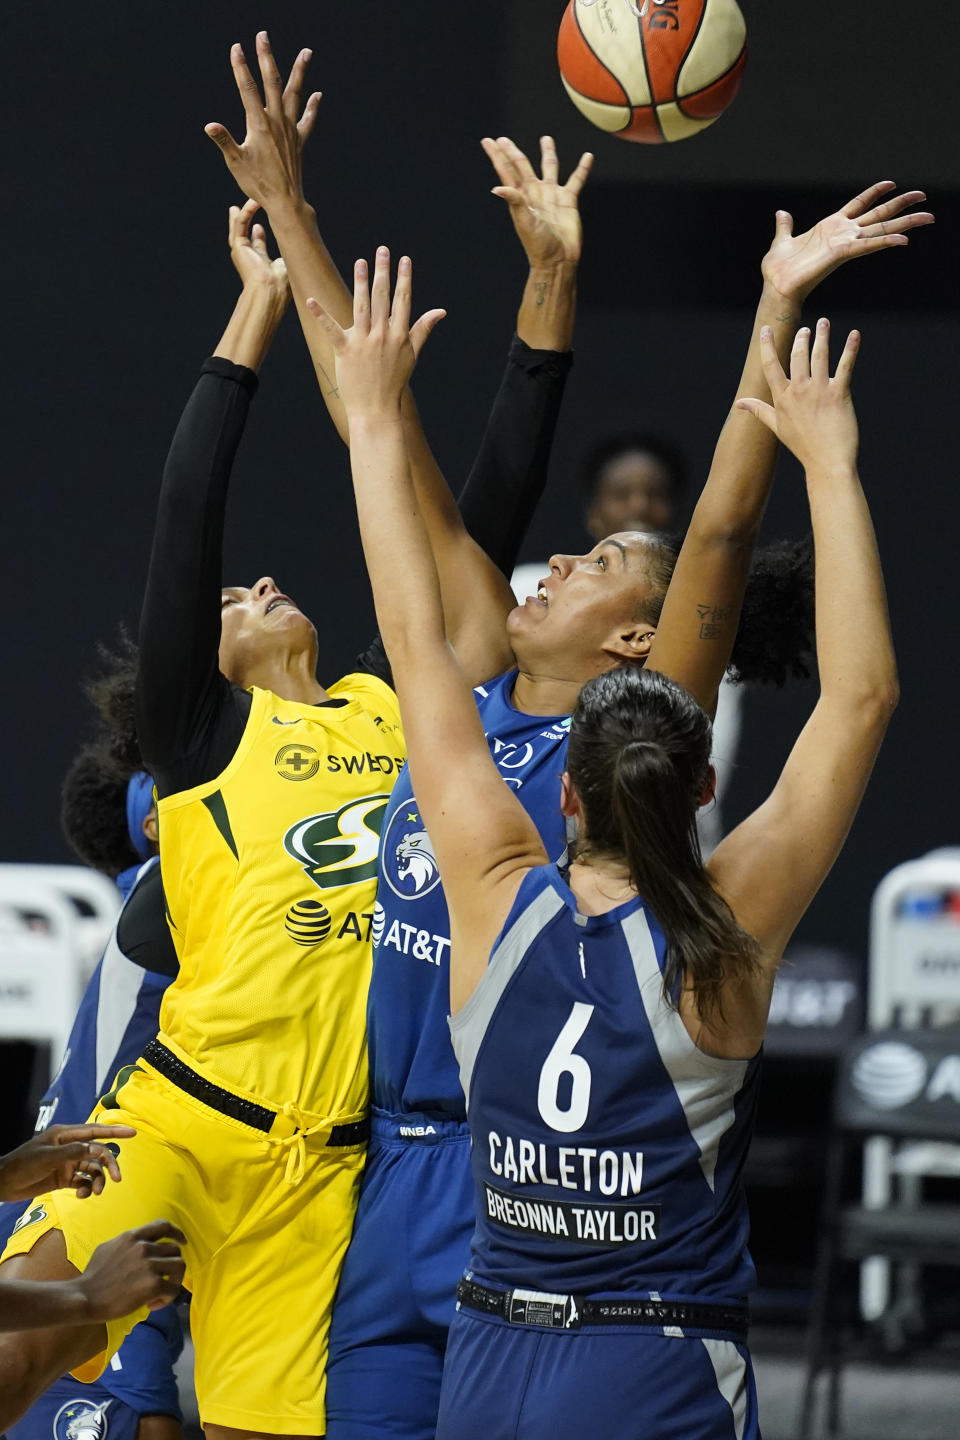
{"x":521,"y":617}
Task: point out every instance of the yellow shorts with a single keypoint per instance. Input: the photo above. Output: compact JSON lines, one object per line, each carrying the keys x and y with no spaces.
{"x":267,"y":1222}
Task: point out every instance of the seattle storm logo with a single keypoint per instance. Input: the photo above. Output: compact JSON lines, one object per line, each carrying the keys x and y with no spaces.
{"x":340,"y":847}
{"x":409,"y":864}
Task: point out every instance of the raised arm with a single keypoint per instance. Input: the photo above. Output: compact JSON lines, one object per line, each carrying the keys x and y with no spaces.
{"x":702,"y":609}
{"x":483,"y":839}
{"x":771,"y":866}
{"x":511,"y":468}
{"x":179,"y":685}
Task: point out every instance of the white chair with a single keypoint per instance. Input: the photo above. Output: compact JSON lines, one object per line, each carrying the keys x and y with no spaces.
{"x":914,"y":981}
{"x":95,"y":901}
{"x":41,"y":974}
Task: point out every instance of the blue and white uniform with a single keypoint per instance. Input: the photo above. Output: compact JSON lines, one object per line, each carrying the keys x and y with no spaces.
{"x":607,"y":1158}
{"x":412,"y":1231}
{"x":118,"y":1015}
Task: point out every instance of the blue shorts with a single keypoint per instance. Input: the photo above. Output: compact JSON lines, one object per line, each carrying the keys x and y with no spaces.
{"x":140,"y":1381}
{"x":518,"y":1382}
{"x":397,"y":1294}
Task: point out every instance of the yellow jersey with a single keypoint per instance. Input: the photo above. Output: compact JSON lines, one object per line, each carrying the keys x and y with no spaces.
{"x":270,"y":876}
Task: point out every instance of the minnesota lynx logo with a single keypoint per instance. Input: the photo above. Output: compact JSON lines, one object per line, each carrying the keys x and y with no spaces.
{"x":339,"y":848}
{"x":409,"y":863}
{"x":81,"y":1420}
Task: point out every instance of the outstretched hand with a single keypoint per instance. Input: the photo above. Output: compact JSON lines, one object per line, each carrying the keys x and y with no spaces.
{"x":811,"y":414}
{"x":268,"y":165}
{"x":376,"y":356}
{"x":545,"y":214}
{"x":868,"y":223}
{"x":62,"y":1157}
{"x":248,"y":251}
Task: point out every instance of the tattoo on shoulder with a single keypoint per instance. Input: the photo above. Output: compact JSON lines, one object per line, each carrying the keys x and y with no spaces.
{"x":714,"y":620}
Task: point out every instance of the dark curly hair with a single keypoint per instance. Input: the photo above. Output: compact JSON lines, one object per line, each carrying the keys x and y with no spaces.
{"x":776,"y":638}
{"x":93,"y":798}
{"x":622,"y":442}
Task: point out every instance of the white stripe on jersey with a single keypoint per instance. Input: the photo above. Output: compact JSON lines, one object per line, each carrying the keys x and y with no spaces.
{"x":120,"y":982}
{"x":469,"y":1025}
{"x":730,"y":1369}
{"x":709,"y":1108}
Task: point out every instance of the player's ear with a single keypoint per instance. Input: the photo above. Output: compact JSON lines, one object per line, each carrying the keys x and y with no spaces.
{"x":631,"y":645}
{"x":150,"y":828}
{"x":709,"y":791}
{"x":569,"y":799}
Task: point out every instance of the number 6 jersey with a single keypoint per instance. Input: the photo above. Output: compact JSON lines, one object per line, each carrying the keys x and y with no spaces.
{"x":607,"y":1148}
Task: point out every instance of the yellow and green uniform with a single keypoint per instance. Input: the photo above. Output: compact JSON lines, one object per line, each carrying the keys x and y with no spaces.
{"x":270,"y":877}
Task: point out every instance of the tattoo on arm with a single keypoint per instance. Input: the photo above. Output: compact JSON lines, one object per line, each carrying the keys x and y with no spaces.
{"x":332,"y":388}
{"x":714,"y":620}
{"x":542,"y":288}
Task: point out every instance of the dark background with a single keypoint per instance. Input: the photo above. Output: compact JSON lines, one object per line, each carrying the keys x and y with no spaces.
{"x":118,"y":283}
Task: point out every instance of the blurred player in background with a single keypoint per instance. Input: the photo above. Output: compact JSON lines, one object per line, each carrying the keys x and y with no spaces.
{"x":109,"y":817}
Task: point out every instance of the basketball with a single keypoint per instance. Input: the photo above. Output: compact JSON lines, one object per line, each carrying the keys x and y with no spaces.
{"x":652,"y":70}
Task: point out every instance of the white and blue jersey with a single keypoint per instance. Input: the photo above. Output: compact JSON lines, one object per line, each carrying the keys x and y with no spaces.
{"x":390,"y":1321}
{"x":118,"y":1015}
{"x":607,"y":1152}
{"x":412,"y":1066}
{"x":607,"y":1148}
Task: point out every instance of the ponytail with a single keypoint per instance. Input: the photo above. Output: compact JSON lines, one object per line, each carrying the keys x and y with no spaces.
{"x":639,"y":759}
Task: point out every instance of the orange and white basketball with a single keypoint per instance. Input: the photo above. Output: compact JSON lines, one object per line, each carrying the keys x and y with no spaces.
{"x":652,"y":70}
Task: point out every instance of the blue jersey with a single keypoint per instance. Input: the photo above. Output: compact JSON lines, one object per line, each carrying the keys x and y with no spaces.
{"x":118,"y":1015}
{"x":607,"y":1149}
{"x":412,"y":1065}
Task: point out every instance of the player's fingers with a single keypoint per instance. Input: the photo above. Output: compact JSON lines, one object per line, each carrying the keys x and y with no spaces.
{"x":294,"y":86}
{"x":422,"y":330}
{"x":549,"y":164}
{"x":820,"y":354}
{"x":160,"y":1250}
{"x":400,"y":310}
{"x":894,"y":206}
{"x":101,"y":1156}
{"x":760,"y":410}
{"x":521,"y":164}
{"x":308,"y":119}
{"x":800,"y":355}
{"x":380,"y":289}
{"x":783,"y":225}
{"x":240,"y":218}
{"x":159,"y":1230}
{"x":223,"y":140}
{"x":334,"y":330}
{"x":848,"y":359}
{"x":248,"y":88}
{"x":507,"y":172}
{"x":868,"y":197}
{"x":67,"y":1134}
{"x":361,"y":296}
{"x":772,"y":369}
{"x":269,"y":73}
{"x":896,"y":225}
{"x":581,"y":174}
{"x":510,"y":193}
{"x":258,"y":237}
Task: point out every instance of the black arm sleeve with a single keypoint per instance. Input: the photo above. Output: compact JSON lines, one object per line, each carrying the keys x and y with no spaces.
{"x":143,"y":934}
{"x":189,"y":718}
{"x":510,"y":471}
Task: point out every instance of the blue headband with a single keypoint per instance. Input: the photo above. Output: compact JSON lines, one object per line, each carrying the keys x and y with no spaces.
{"x":139,"y":801}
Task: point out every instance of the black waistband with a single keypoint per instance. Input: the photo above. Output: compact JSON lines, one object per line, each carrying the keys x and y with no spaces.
{"x":248,"y":1112}
{"x":569,"y":1312}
